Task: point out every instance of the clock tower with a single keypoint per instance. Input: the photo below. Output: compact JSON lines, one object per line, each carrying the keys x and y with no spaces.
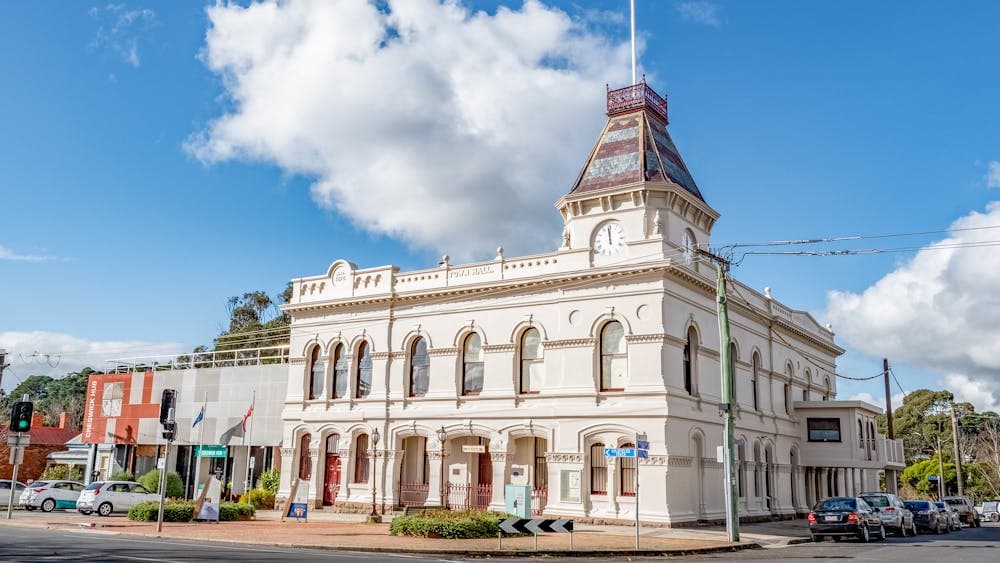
{"x":635,"y":199}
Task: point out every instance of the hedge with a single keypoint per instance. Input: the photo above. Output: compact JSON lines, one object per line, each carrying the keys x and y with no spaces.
{"x":259,"y":499}
{"x":183,"y":511}
{"x":269,"y":480}
{"x":175,"y":486}
{"x":447,"y":524}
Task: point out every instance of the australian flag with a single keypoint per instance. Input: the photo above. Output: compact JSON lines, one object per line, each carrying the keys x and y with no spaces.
{"x":200,"y":417}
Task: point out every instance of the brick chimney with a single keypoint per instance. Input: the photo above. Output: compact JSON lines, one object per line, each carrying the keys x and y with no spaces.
{"x":63,"y":420}
{"x":37,"y":419}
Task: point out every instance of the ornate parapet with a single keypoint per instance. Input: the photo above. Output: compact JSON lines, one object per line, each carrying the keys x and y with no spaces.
{"x":563,"y":457}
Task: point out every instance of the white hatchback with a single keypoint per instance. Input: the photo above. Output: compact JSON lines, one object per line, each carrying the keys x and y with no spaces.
{"x":50,"y":495}
{"x":106,"y":497}
{"x":5,"y":494}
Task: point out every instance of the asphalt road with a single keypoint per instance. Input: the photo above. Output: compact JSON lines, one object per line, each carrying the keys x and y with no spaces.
{"x":968,"y":544}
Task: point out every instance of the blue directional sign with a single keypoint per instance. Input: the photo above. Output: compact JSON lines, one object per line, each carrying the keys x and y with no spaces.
{"x":642,"y":445}
{"x":644,"y":454}
{"x":620,"y":452}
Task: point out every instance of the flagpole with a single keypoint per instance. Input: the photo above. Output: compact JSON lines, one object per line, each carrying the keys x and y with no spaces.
{"x":253,"y":403}
{"x":632,"y":12}
{"x":201,"y":441}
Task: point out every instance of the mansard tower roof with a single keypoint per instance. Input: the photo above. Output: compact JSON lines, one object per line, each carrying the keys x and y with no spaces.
{"x":634,"y":146}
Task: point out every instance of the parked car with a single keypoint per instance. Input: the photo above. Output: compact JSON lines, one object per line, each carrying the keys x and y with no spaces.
{"x":5,"y":492}
{"x":50,"y":495}
{"x":107,"y":497}
{"x":989,"y":511}
{"x":966,"y":511}
{"x":893,"y":513}
{"x":954,"y":523}
{"x":838,"y":517}
{"x":927,"y":516}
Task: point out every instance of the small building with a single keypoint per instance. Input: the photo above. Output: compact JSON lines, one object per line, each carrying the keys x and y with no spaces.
{"x":45,"y":440}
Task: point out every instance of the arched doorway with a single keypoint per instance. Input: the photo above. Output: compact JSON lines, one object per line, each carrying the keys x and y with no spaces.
{"x":305,"y":461}
{"x":769,"y":477}
{"x":331,"y":477}
{"x":793,"y":457}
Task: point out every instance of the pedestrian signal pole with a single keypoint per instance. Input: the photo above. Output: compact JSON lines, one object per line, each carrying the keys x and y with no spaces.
{"x":726,"y":406}
{"x":167,"y":405}
{"x":20,"y":423}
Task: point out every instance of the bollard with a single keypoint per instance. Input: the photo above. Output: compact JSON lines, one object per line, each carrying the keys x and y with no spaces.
{"x":536,"y":541}
{"x":499,"y":541}
{"x":571,"y":541}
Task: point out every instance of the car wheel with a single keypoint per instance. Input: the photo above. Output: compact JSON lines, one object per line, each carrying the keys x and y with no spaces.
{"x":881,"y":532}
{"x":866,"y":535}
{"x":48,"y":505}
{"x":913,"y":529}
{"x":84,"y":512}
{"x":105,"y":509}
{"x":29,"y":508}
{"x":816,"y":538}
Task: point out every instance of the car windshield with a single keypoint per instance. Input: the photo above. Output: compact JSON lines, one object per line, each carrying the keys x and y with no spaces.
{"x":836,"y":504}
{"x":989,"y":506}
{"x":941,"y":505}
{"x":94,"y":485}
{"x":878,"y":501}
{"x":955,"y":501}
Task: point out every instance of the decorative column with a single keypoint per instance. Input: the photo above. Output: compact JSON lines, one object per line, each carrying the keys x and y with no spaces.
{"x":499,"y":459}
{"x":435,"y":470}
{"x":393,"y":471}
{"x":287,"y":457}
{"x":346,"y":469}
{"x":316,"y":479}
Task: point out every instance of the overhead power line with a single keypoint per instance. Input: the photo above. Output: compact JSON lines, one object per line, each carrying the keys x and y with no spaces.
{"x":828,"y":240}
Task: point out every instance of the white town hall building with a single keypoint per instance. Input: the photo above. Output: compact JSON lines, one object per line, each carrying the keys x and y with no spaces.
{"x":532,"y":366}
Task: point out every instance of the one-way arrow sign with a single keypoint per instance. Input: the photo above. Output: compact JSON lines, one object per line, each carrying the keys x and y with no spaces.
{"x":536,"y":526}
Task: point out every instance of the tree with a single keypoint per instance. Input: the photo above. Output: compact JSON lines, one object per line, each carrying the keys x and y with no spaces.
{"x":922,"y":420}
{"x":986,"y":449}
{"x":52,"y":396}
{"x":255,"y":321}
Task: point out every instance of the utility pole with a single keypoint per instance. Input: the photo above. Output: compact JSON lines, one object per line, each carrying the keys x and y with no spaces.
{"x":958,"y":450}
{"x":891,"y":483}
{"x":726,"y":407}
{"x":940,"y":469}
{"x":3,"y":364}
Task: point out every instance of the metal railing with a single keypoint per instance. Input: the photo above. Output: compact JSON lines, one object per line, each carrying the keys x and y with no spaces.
{"x":636,"y":96}
{"x":220,"y":358}
{"x":892,"y":450}
{"x":539,"y":498}
{"x":413,"y":494}
{"x":469,"y":497}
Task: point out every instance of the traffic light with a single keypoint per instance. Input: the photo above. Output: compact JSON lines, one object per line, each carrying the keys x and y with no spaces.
{"x":169,"y":431}
{"x":20,"y":416}
{"x":167,"y":403}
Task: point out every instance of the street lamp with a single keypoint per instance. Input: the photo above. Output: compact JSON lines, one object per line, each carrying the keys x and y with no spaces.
{"x":374,"y":516}
{"x":442,"y":436}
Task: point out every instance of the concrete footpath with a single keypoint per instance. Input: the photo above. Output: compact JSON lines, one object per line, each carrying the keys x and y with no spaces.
{"x":349,"y":532}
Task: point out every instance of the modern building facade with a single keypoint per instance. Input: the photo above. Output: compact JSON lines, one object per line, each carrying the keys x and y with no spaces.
{"x":440,"y":386}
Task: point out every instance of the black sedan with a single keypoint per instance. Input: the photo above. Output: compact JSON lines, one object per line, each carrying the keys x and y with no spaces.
{"x":927,"y":516}
{"x":840,"y":517}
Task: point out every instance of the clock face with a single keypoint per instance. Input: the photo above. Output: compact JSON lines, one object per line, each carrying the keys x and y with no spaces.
{"x":609,"y":239}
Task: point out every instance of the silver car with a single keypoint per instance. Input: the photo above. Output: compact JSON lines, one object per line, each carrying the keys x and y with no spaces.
{"x":893,"y":513}
{"x":107,"y":497}
{"x":954,"y":521}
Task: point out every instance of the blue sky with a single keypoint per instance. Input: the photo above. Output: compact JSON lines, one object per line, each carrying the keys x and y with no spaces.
{"x":796,"y":120}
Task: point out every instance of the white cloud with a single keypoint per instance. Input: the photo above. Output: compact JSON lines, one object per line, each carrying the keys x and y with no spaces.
{"x":448,"y":129}
{"x":8,"y":254}
{"x":939,"y":310}
{"x":993,"y":175}
{"x":120,"y":30}
{"x":55,"y":354}
{"x":706,"y":13}
{"x":980,"y":393}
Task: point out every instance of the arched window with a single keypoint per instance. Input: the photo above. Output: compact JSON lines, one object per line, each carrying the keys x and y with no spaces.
{"x":341,"y":372}
{"x":871,"y":435}
{"x":598,"y":470}
{"x":756,"y":470}
{"x":472,"y":365}
{"x":790,"y":372}
{"x":627,"y":474}
{"x":690,"y":358}
{"x":754,"y":379}
{"x":826,"y":384}
{"x":361,"y":457}
{"x":861,"y":435}
{"x":614,"y":359}
{"x":317,"y":374}
{"x":419,"y":368}
{"x":741,"y":458}
{"x":364,"y":367}
{"x":809,"y":381}
{"x":305,"y":460}
{"x":732,"y":371}
{"x":532,"y":365}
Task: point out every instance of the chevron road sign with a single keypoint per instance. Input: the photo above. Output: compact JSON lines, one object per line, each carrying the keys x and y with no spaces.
{"x":536,"y":526}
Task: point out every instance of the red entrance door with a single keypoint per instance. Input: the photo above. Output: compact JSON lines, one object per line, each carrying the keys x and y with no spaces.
{"x":331,"y":483}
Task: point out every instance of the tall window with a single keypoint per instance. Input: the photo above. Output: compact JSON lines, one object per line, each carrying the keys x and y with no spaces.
{"x":317,"y":374}
{"x":788,"y":398}
{"x":690,"y":356}
{"x":472,"y":365}
{"x":361,"y":457}
{"x":111,"y":400}
{"x":826,"y":394}
{"x":861,"y":435}
{"x":756,"y":470}
{"x":754,"y":378}
{"x":741,"y":457}
{"x":628,"y":466}
{"x":541,"y":467}
{"x":364,"y":371}
{"x":341,"y":372}
{"x":531,"y":361}
{"x":809,"y":381}
{"x":732,"y":371}
{"x":598,"y":470}
{"x":419,"y":368}
{"x":614,"y":360}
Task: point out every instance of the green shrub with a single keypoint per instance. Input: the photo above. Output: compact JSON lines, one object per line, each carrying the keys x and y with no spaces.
{"x":175,"y":486}
{"x":448,"y":524}
{"x":173,"y":511}
{"x":270,"y":480}
{"x":259,"y":499}
{"x":123,"y":476}
{"x":62,"y":472}
{"x":183,"y":511}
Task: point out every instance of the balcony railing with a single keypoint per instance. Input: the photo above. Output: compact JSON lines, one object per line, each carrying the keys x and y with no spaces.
{"x":892,"y":451}
{"x":636,"y":96}
{"x":222,"y":358}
